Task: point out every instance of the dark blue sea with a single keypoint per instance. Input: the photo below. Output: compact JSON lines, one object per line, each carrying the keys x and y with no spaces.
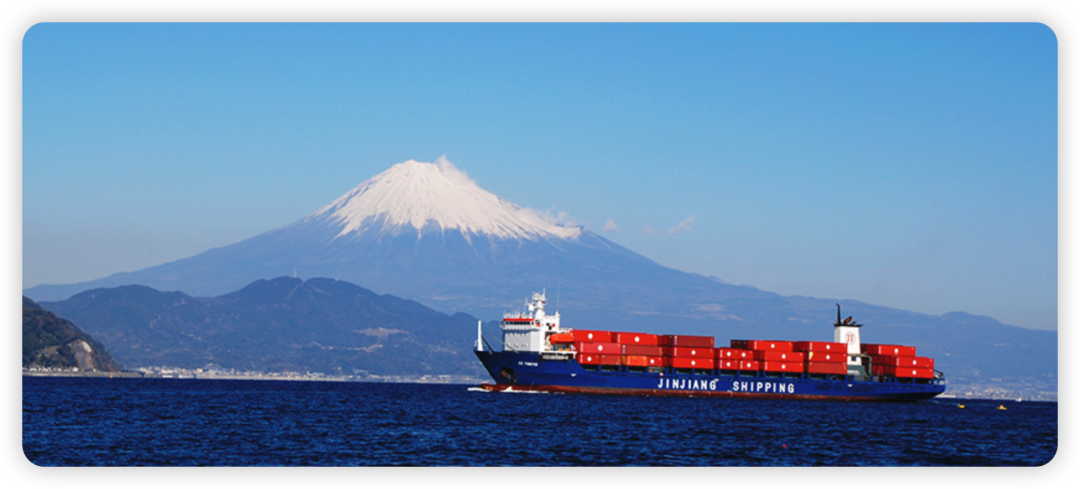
{"x":137,"y":422}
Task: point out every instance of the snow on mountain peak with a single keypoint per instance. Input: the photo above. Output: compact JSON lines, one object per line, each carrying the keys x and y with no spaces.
{"x":415,"y":193}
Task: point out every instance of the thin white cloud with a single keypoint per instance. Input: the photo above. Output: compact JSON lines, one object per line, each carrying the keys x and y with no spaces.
{"x":648,"y":230}
{"x":611,"y":226}
{"x":682,"y":227}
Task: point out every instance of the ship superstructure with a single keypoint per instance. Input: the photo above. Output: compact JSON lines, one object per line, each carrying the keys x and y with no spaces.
{"x":531,"y":330}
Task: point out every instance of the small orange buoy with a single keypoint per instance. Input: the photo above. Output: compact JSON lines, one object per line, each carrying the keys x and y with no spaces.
{"x":961,"y":406}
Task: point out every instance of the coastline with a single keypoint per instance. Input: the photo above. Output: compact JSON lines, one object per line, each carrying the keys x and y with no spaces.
{"x":390,"y":379}
{"x":288,"y":376}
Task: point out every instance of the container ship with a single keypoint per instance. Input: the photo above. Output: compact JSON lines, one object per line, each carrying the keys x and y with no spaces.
{"x":538,"y":355}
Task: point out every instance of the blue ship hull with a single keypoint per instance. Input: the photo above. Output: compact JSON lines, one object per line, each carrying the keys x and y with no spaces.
{"x":532,"y":372}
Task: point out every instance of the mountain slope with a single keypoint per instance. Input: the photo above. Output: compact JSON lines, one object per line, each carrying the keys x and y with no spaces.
{"x":284,"y":324}
{"x":49,"y":341}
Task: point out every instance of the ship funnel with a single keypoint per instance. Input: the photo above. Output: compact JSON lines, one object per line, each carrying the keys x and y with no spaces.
{"x":847,"y":331}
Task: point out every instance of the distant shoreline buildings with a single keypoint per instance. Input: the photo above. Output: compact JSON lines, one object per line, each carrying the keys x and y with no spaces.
{"x":231,"y":374}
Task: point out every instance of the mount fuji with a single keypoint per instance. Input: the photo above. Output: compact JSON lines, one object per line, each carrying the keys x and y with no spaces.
{"x":427,"y":232}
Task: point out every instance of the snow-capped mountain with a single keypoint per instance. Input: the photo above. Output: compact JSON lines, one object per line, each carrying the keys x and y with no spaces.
{"x":424,"y":231}
{"x":414,"y":194}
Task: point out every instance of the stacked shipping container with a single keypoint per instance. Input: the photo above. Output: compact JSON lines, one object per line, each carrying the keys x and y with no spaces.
{"x":823,"y":357}
{"x":898,"y":361}
{"x":699,"y":352}
{"x":773,"y":356}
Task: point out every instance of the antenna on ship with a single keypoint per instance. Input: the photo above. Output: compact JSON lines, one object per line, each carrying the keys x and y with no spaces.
{"x":844,"y":322}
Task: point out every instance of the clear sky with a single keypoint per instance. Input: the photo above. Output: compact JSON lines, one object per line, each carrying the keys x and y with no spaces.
{"x":906,"y":165}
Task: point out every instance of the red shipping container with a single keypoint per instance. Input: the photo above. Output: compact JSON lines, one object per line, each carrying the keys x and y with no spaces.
{"x":606,"y":348}
{"x":597,"y":359}
{"x":654,"y":351}
{"x":771,"y":345}
{"x":738,"y":365}
{"x":687,"y":362}
{"x":726,"y":364}
{"x":878,"y":370}
{"x":636,"y":339}
{"x":681,"y":351}
{"x":821,"y":356}
{"x":779,"y":356}
{"x":592,"y":335}
{"x":911,"y":372}
{"x":782,"y":367}
{"x":826,"y":368}
{"x":922,"y":362}
{"x":733,"y":353}
{"x":635,"y":360}
{"x":820,"y":346}
{"x":904,"y":351}
{"x":657,"y":361}
{"x":610,"y":359}
{"x":683,"y":340}
{"x":891,"y":350}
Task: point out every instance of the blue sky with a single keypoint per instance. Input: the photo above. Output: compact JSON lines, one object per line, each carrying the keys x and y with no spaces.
{"x":906,"y":165}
